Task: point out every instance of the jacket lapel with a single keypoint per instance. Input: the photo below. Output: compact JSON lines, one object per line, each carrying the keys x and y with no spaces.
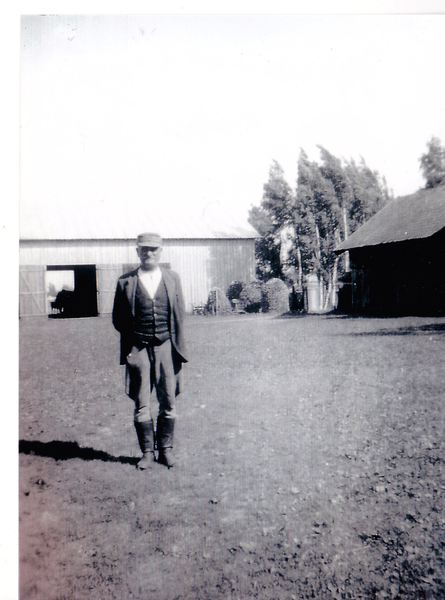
{"x":131,"y":289}
{"x":169,"y":286}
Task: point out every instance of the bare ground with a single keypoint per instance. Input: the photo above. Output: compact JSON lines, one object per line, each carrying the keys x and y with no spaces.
{"x":310,"y":464}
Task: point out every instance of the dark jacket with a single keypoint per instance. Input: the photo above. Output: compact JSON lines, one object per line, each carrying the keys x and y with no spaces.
{"x":123,"y":313}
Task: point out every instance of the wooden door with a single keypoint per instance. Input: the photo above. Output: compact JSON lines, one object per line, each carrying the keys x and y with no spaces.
{"x":107,"y":276}
{"x":32,"y":292}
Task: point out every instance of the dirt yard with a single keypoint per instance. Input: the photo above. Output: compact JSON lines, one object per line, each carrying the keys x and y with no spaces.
{"x":310,"y":464}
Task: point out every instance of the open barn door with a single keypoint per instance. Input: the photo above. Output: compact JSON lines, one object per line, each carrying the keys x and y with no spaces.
{"x":32,"y":292}
{"x":107,"y":276}
{"x":73,"y":290}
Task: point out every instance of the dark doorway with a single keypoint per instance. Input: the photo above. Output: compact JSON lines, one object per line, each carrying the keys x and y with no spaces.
{"x":72,"y":291}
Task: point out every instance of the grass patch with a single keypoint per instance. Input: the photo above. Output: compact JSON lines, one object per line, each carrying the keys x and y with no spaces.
{"x":309,"y":463}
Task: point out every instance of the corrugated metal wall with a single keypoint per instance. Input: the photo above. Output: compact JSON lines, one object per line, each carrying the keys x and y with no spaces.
{"x":201,"y":264}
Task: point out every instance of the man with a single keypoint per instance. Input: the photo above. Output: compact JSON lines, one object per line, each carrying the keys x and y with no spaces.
{"x":148,"y":312}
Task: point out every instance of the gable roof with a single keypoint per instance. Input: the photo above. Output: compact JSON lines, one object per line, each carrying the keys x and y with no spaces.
{"x":413,"y":217}
{"x":102,"y":224}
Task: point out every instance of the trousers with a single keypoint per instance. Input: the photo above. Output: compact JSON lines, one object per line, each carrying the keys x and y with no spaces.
{"x":151,"y":366}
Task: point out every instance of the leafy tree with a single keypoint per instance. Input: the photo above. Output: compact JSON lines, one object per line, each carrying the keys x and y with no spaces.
{"x":277,"y":197}
{"x":432,"y":163}
{"x":369,"y":193}
{"x":332,"y":169}
{"x":317,"y":218}
{"x":332,"y":199}
{"x":268,"y":218}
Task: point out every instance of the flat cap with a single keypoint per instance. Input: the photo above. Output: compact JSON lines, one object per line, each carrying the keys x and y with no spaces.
{"x":149,"y":239}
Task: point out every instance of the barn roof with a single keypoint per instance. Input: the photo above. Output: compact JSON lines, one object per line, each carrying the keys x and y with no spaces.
{"x":413,"y":217}
{"x":101,"y":225}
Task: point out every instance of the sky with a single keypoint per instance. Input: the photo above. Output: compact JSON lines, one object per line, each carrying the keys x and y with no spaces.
{"x":182,"y":115}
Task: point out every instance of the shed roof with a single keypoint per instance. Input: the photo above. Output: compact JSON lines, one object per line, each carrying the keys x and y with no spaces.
{"x":412,"y":217}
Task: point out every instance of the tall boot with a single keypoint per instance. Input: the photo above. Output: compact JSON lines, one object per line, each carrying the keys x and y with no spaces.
{"x":164,"y":436}
{"x":145,"y":435}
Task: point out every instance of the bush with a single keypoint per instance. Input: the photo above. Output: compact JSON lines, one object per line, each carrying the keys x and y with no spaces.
{"x":217,"y":302}
{"x":235,"y":289}
{"x":251,"y":297}
{"x":276,"y":295}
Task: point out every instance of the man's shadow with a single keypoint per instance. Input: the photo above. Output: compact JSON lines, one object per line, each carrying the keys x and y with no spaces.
{"x":67,"y":450}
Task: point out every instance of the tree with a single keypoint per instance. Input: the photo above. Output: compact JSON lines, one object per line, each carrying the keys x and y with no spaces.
{"x":369,"y":193}
{"x":275,"y":210}
{"x":432,"y":163}
{"x":317,"y":218}
{"x":332,"y":170}
{"x":277,"y":197}
{"x":332,"y":199}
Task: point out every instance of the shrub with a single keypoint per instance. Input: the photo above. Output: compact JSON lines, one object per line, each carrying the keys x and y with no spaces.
{"x":235,"y":289}
{"x":217,"y":302}
{"x":251,"y":297}
{"x":276,"y":295}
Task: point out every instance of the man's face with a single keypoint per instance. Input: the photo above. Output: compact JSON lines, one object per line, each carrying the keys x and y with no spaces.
{"x":149,"y":257}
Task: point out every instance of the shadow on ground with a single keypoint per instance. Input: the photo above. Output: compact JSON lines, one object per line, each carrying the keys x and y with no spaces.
{"x":437,"y":328}
{"x":430,"y":328}
{"x":68,"y":450}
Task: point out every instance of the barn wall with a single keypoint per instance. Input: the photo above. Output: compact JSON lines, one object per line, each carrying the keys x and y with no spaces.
{"x":201,"y":264}
{"x":400,"y":278}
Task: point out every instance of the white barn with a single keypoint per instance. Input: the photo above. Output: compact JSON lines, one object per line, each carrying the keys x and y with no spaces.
{"x":88,"y":258}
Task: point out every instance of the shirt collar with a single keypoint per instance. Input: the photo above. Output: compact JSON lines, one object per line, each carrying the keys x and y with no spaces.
{"x":154,"y":273}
